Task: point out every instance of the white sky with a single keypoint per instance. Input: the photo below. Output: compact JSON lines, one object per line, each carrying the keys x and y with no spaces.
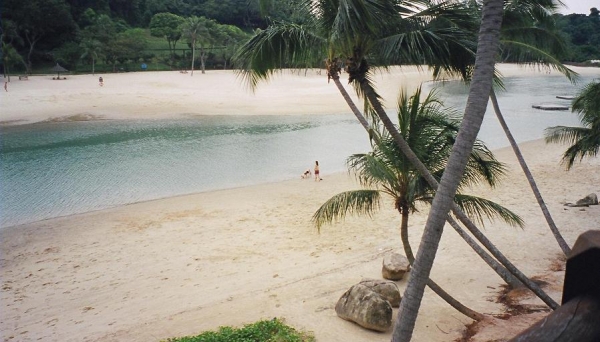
{"x":579,"y":6}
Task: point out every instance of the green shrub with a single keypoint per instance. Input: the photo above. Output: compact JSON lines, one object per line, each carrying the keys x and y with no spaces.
{"x":262,"y":331}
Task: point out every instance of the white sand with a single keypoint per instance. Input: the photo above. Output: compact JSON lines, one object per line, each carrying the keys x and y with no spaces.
{"x":168,"y":94}
{"x":182,"y":265}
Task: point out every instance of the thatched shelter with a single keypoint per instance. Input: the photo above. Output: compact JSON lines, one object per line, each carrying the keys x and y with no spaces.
{"x":58,"y":69}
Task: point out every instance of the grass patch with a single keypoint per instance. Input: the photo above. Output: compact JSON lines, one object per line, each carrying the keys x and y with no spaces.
{"x":262,"y":331}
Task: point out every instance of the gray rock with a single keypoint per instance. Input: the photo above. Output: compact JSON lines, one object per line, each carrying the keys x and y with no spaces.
{"x":365,"y":307}
{"x":590,"y":199}
{"x":386,"y":289}
{"x":395,"y":266}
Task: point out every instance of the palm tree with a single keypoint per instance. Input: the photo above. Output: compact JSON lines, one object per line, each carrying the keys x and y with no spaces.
{"x":487,"y":49}
{"x":527,"y":35}
{"x":431,"y":132}
{"x":352,"y":30}
{"x":585,"y":141}
{"x":442,"y":54}
{"x":192,"y":28}
{"x":91,"y":48}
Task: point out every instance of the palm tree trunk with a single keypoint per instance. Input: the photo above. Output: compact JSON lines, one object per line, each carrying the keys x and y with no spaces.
{"x":404,"y":235}
{"x":432,"y":285}
{"x":538,"y":196}
{"x":350,"y":102}
{"x":487,"y":48}
{"x":193,"y":56}
{"x":502,"y":259}
{"x":202,"y":58}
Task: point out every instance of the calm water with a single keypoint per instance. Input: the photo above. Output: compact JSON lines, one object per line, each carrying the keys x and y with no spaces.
{"x":56,"y":169}
{"x":515,"y":102}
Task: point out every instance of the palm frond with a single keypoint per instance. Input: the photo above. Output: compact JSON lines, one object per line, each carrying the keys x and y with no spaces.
{"x":482,"y":166}
{"x":361,"y":202}
{"x":564,"y":134}
{"x":585,"y":142}
{"x":478,"y":208}
{"x":371,"y":170}
{"x":526,"y":54}
{"x":279,"y":46}
{"x":588,"y":146}
{"x":587,"y":104}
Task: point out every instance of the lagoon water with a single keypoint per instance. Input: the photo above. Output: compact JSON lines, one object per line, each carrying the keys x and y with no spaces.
{"x":56,"y":169}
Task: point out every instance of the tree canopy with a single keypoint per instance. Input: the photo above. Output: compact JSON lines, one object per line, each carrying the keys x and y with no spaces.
{"x":43,"y":31}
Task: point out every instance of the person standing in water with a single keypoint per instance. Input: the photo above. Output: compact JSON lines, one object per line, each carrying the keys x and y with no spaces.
{"x":317,"y":177}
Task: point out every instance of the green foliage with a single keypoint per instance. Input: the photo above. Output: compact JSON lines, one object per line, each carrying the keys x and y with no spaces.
{"x":37,"y":29}
{"x":68,"y":55}
{"x":431,"y":131}
{"x":263,"y":331}
{"x":127,"y":46}
{"x":166,"y":25}
{"x":583,"y":34}
{"x":10,"y":58}
{"x":585,"y":141}
{"x":38,"y":25}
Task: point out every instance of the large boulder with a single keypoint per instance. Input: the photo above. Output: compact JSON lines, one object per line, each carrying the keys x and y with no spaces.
{"x":365,"y":307}
{"x":386,"y":289}
{"x":395,"y":266}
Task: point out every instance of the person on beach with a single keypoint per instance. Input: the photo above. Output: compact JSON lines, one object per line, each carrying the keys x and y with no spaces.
{"x":317,"y":177}
{"x":5,"y":85}
{"x":101,"y":81}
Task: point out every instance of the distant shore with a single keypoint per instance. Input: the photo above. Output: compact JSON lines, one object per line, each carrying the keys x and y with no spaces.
{"x":168,"y":94}
{"x":181,"y":265}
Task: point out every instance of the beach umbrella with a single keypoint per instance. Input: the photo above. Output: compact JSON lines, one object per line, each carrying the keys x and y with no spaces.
{"x":58,"y":69}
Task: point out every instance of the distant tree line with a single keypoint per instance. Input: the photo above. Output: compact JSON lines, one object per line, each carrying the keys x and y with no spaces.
{"x":583,"y":33}
{"x":115,"y":33}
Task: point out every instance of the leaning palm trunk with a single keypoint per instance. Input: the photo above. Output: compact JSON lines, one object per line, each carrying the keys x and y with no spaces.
{"x":487,"y":48}
{"x":502,"y":271}
{"x":333,"y":73}
{"x":402,"y":144}
{"x":538,"y":196}
{"x":430,"y":283}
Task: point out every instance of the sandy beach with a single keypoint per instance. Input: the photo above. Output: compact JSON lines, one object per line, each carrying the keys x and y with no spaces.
{"x":182,"y":265}
{"x":153,"y":95}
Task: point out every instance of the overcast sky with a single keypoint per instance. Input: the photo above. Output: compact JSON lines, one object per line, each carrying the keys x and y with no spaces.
{"x":579,"y":6}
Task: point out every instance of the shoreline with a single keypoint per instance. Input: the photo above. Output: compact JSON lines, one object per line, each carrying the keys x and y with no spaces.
{"x":178,"y":266}
{"x":182,"y":196}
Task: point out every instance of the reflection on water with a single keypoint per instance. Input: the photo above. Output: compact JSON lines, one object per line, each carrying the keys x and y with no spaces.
{"x":55,"y":169}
